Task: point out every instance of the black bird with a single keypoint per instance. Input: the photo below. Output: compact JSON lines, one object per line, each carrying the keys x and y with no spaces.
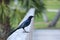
{"x":24,"y":24}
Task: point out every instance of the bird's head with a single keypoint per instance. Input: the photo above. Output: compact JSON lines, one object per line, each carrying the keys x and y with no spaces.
{"x":31,"y":16}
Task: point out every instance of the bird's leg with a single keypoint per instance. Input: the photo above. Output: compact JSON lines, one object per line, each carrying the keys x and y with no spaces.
{"x":25,"y":31}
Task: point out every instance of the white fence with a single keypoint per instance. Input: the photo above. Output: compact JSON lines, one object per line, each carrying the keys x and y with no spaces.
{"x":18,"y":34}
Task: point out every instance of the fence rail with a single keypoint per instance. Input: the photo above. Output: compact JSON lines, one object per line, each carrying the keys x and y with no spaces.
{"x":19,"y":34}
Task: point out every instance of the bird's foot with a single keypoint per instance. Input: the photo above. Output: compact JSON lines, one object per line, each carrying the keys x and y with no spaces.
{"x":25,"y":32}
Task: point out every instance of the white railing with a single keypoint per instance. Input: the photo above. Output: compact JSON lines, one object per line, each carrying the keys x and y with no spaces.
{"x":18,"y":34}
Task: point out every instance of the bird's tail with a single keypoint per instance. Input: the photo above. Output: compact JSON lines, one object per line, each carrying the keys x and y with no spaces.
{"x":13,"y":31}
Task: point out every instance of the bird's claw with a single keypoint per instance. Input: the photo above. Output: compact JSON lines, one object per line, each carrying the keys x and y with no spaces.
{"x":25,"y":31}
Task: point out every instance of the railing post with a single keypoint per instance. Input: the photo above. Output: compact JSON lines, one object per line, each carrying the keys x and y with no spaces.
{"x":18,"y":34}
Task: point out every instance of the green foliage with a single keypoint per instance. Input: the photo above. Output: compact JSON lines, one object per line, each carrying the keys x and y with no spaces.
{"x":52,"y":4}
{"x":3,"y":12}
{"x":37,"y":4}
{"x":15,"y":15}
{"x":39,"y":22}
{"x":17,"y":12}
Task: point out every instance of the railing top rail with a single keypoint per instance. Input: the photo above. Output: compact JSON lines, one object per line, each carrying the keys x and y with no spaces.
{"x":18,"y":34}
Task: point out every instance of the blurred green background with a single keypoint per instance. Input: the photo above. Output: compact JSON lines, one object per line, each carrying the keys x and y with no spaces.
{"x":49,"y":4}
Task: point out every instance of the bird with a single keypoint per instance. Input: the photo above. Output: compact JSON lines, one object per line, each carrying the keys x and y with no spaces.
{"x":24,"y":24}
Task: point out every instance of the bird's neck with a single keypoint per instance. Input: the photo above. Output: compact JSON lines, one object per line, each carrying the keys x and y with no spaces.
{"x":29,"y":18}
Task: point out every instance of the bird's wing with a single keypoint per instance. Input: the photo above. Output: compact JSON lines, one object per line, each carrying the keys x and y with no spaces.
{"x":24,"y":24}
